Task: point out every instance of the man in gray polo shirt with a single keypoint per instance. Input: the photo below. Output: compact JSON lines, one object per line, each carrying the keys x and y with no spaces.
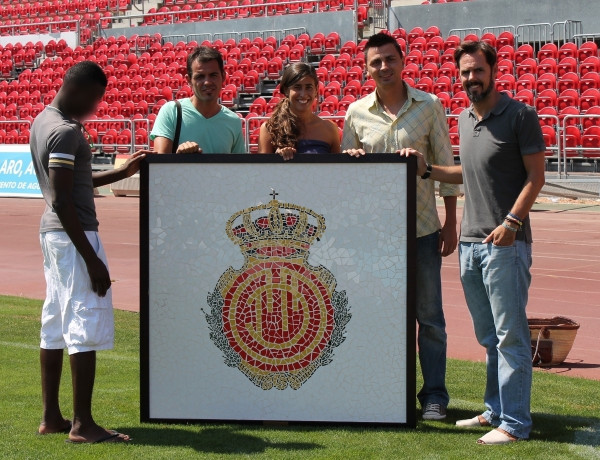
{"x":77,"y":313}
{"x":502,"y":167}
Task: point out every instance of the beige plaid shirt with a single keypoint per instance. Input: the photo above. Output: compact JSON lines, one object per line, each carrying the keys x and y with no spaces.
{"x":421,"y":125}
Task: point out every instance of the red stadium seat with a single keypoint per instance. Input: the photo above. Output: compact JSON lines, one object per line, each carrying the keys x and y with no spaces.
{"x":368,"y":87}
{"x":545,"y":114}
{"x":436,"y":43}
{"x":448,"y":56}
{"x":251,"y":82}
{"x":416,"y":32}
{"x":355,"y":73}
{"x":591,"y":140}
{"x":124,"y":141}
{"x":252,"y":123}
{"x":526,"y":81}
{"x":399,"y":33}
{"x":442,"y":84}
{"x":328,"y":62}
{"x":525,"y":96}
{"x":229,"y":95}
{"x":590,"y":64}
{"x":490,"y":39}
{"x":565,"y":65}
{"x":547,"y":65}
{"x":431,"y":33}
{"x":507,"y":52}
{"x":343,"y":60}
{"x":410,"y":71}
{"x":245,"y":65}
{"x":274,"y":68}
{"x":345,"y":102}
{"x":334,"y":88}
{"x":506,"y":83}
{"x":332,"y":42}
{"x":546,"y":98}
{"x":359,"y":59}
{"x":586,"y":50}
{"x":449,"y":70}
{"x":505,"y":66}
{"x":592,"y":118}
{"x":568,"y":98}
{"x":317,"y":43}
{"x":459,"y":100}
{"x":414,"y":57}
{"x":109,"y":141}
{"x":330,"y":104}
{"x":567,"y":112}
{"x":273,"y":102}
{"x":418,"y":44}
{"x":549,"y":134}
{"x":429,"y":70}
{"x":527,"y":65}
{"x":452,"y":41}
{"x":589,"y":80}
{"x":546,"y":81}
{"x":588,"y":99}
{"x":445,"y":99}
{"x":505,"y":38}
{"x":349,"y":47}
{"x":570,"y":80}
{"x":425,"y":84}
{"x":568,"y":49}
{"x":572,"y":140}
{"x":548,"y":50}
{"x":259,"y":106}
{"x":339,"y":75}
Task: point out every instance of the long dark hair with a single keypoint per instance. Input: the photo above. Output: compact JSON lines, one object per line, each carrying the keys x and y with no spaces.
{"x":284,"y":126}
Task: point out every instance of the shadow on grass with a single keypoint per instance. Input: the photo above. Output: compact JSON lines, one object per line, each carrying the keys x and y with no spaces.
{"x":217,"y":440}
{"x":569,"y":365}
{"x":584,"y":431}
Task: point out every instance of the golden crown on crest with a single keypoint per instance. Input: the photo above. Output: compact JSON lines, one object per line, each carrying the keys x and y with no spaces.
{"x":275,"y":224}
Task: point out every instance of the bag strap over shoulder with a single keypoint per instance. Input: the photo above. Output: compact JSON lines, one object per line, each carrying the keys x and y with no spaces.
{"x":177,"y":126}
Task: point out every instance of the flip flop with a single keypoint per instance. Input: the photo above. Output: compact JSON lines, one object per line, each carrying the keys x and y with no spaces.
{"x":496,"y":437}
{"x":107,"y":438}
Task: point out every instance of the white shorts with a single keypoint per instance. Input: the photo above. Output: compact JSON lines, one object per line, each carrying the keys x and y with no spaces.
{"x":73,"y":316}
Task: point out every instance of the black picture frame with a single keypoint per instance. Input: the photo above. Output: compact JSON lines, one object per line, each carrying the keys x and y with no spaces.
{"x":318,"y":160}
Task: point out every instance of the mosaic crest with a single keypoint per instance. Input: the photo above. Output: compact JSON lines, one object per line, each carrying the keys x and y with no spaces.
{"x":277,"y":319}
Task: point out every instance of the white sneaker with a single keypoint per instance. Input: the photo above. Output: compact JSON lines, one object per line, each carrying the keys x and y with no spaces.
{"x":434,"y":411}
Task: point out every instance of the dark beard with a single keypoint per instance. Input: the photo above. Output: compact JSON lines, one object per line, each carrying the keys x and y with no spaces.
{"x":481,"y":96}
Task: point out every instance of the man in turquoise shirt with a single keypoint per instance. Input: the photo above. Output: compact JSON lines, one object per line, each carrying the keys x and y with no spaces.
{"x":206,"y":126}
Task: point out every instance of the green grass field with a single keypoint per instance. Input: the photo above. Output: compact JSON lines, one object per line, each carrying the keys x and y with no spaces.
{"x":566,"y":414}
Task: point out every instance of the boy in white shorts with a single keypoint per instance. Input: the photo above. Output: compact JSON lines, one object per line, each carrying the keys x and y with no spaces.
{"x":77,"y":313}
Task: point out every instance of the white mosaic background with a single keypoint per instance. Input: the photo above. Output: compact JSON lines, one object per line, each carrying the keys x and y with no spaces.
{"x":364,"y":246}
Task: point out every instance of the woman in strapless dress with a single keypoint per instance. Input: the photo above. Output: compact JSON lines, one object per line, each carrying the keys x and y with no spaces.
{"x":293,"y":127}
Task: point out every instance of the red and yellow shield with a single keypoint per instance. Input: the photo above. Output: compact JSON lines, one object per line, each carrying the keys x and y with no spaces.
{"x":277,"y":318}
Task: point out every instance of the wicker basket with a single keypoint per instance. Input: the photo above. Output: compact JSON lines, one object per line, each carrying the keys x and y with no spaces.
{"x":551,"y":339}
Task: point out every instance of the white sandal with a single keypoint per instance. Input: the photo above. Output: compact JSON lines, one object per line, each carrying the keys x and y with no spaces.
{"x":496,"y":437}
{"x":471,"y":423}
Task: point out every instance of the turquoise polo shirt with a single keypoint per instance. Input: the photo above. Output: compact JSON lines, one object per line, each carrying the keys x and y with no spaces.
{"x":221,"y":133}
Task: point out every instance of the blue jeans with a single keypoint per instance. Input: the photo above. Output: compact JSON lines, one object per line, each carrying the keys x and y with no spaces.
{"x":432,"y":324}
{"x":496,"y":282}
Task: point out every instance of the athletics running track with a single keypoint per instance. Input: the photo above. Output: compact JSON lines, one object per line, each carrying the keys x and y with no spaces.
{"x":566,"y":271}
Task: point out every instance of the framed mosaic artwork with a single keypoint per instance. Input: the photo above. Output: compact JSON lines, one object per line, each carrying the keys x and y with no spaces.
{"x":278,"y":291}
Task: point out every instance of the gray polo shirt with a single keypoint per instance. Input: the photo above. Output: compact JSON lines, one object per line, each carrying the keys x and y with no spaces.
{"x":491,"y":154}
{"x":58,"y":142}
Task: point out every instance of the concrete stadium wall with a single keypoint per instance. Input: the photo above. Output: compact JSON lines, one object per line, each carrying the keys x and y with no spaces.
{"x":485,"y":13}
{"x":343,"y":22}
